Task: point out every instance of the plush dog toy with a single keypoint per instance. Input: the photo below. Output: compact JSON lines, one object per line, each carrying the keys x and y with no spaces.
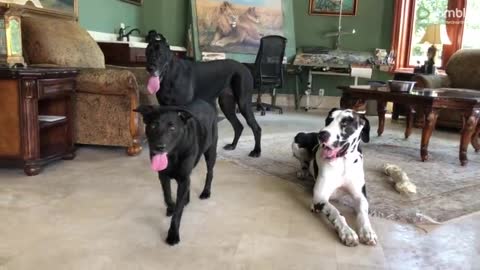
{"x":402,"y":183}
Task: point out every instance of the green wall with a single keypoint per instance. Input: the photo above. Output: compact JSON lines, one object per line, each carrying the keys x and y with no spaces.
{"x":106,"y":15}
{"x":373,"y":25}
{"x":169,"y":17}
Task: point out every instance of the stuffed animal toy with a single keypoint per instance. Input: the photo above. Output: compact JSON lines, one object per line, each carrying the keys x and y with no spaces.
{"x":402,"y":183}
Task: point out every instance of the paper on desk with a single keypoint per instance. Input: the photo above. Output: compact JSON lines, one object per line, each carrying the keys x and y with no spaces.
{"x":362,"y":72}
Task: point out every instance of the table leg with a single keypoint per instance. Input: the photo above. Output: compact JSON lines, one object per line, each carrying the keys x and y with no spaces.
{"x":470,"y":121}
{"x":431,"y":116}
{"x":381,"y":110}
{"x":410,"y":118}
{"x":476,"y":138}
{"x":297,"y":94}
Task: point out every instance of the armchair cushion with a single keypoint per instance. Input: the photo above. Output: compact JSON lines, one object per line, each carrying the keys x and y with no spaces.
{"x":107,"y":82}
{"x":59,"y":42}
{"x":432,"y":81}
{"x":463,"y":69}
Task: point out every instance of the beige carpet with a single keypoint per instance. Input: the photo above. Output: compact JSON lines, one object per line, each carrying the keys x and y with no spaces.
{"x":445,"y":189}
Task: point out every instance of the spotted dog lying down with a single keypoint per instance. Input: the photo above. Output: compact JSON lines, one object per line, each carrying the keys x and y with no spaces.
{"x":335,"y":160}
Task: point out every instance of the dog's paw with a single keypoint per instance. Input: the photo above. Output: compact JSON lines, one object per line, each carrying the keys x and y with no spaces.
{"x":255,"y":153}
{"x":348,"y":236}
{"x":173,"y":238}
{"x":205,"y":195}
{"x":368,"y":236}
{"x":170,"y":211}
{"x":229,"y":147}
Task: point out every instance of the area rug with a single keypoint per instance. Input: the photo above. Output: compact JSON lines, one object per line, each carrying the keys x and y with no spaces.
{"x":445,"y":190}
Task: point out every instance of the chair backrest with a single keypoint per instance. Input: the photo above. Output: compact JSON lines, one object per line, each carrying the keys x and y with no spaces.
{"x":269,"y":61}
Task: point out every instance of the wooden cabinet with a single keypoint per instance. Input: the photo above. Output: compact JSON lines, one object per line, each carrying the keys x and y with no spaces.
{"x":36,"y":117}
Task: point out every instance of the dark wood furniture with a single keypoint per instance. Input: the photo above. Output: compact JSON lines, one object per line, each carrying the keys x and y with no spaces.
{"x":122,"y":54}
{"x":26,"y":94}
{"x":431,"y":101}
{"x":400,"y":109}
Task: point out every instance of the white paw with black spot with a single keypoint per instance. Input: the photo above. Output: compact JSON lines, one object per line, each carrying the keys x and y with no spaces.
{"x":348,"y":236}
{"x":368,"y":236}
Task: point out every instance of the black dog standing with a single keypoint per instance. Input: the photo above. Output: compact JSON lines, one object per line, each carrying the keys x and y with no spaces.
{"x":178,"y":136}
{"x":179,"y":82}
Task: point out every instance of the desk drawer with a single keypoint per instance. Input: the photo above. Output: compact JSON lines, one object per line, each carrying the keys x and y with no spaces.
{"x":55,"y":87}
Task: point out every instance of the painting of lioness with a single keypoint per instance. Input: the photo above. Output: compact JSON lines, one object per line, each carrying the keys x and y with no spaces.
{"x":236,"y":26}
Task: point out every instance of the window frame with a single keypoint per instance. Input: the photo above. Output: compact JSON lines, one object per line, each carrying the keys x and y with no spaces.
{"x":403,"y":25}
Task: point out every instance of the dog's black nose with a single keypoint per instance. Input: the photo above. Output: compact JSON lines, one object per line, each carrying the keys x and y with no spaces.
{"x":161,"y":147}
{"x":323,"y":136}
{"x":151,"y":68}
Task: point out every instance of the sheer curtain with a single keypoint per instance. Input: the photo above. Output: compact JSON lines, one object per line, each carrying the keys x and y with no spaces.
{"x":471,"y":32}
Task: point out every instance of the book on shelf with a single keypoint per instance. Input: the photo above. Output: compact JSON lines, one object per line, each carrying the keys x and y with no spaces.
{"x":50,"y":118}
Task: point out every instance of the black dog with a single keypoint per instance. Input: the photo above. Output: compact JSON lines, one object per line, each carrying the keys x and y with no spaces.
{"x":178,"y":82}
{"x":178,"y":136}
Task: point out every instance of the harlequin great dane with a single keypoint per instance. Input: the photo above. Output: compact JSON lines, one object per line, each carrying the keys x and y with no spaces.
{"x":335,"y":160}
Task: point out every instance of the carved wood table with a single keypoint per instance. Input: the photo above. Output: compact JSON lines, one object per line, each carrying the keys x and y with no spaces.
{"x":36,"y":119}
{"x":466,"y":102}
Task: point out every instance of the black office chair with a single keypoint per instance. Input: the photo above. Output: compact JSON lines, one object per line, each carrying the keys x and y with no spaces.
{"x":268,"y":70}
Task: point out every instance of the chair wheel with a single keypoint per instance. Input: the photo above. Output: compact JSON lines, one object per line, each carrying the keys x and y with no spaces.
{"x":281,"y":111}
{"x":263,"y":113}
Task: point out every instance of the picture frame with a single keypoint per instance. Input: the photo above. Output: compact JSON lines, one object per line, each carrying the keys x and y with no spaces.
{"x":67,"y":9}
{"x":135,"y":2}
{"x":332,"y":7}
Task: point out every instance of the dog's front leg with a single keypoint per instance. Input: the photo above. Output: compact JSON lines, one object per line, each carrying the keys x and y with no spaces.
{"x":366,"y":233}
{"x":322,"y":192}
{"x":173,"y":237}
{"x":167,"y":193}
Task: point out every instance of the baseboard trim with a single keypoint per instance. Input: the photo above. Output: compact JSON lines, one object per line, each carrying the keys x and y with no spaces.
{"x":288,"y":100}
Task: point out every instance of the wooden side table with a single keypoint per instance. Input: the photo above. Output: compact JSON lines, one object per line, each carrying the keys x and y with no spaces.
{"x":36,"y":119}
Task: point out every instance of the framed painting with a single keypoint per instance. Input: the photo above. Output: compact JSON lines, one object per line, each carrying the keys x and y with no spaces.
{"x":236,"y":26}
{"x":332,"y":7}
{"x":59,"y":8}
{"x":135,"y":2}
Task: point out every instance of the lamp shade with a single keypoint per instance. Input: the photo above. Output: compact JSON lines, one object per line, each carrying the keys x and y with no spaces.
{"x":436,"y":34}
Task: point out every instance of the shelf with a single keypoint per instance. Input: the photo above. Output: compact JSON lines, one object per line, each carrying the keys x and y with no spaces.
{"x":45,"y":124}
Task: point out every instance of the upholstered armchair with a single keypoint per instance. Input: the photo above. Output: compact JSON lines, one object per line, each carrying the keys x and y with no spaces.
{"x":105,"y":96}
{"x":463,"y":72}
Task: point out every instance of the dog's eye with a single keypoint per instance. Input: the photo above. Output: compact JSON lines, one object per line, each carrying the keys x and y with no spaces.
{"x":153,"y":126}
{"x":171,"y":127}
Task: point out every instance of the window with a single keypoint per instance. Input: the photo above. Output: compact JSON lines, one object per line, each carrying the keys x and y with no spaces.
{"x":427,"y":12}
{"x":471,"y":32}
{"x":459,"y":18}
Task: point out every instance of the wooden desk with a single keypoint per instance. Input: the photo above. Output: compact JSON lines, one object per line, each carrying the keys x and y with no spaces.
{"x":25,"y":94}
{"x":432,"y":101}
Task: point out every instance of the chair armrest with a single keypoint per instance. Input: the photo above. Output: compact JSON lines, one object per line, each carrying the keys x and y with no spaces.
{"x":107,"y":82}
{"x":432,"y":81}
{"x":142,"y":77}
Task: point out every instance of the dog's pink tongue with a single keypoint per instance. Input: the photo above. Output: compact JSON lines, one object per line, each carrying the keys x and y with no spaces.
{"x":159,"y":162}
{"x":329,"y":153}
{"x":153,"y":85}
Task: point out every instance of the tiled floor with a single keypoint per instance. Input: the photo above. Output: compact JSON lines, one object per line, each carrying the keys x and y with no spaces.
{"x":105,"y":211}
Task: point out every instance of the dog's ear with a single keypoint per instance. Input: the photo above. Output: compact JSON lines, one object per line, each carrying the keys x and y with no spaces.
{"x":365,"y":135}
{"x":145,"y":109}
{"x":185,"y":116}
{"x":329,"y":118}
{"x":151,"y":36}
